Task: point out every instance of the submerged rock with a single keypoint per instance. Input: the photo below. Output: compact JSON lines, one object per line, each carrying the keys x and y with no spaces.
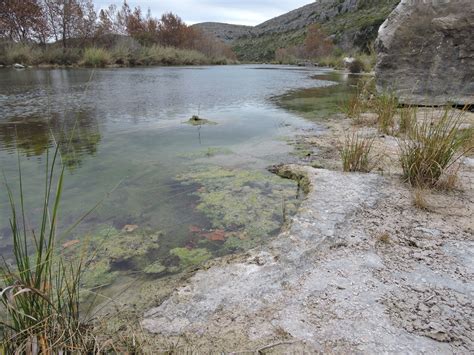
{"x":426,"y":52}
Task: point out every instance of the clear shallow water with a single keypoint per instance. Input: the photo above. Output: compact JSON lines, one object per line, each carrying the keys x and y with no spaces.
{"x":202,"y":187}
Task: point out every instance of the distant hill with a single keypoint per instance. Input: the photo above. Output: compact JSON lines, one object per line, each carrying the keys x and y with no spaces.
{"x":224,"y":31}
{"x":351,"y":23}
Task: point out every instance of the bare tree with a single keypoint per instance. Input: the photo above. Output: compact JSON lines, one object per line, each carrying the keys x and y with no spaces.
{"x":64,"y":19}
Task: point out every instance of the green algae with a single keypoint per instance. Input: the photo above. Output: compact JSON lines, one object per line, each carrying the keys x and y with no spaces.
{"x":156,"y":268}
{"x":110,"y":248}
{"x":190,"y":257}
{"x":249,"y":205}
{"x":98,"y":273}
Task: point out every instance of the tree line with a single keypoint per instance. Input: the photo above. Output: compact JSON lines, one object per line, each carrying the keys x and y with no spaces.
{"x":76,"y":23}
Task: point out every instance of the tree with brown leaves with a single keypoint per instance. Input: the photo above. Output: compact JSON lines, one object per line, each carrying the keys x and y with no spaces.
{"x":23,"y":21}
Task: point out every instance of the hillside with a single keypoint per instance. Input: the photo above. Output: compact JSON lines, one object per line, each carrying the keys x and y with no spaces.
{"x":351,"y":23}
{"x":224,"y":31}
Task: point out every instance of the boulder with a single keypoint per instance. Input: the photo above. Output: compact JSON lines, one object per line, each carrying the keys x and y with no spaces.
{"x":425,"y":52}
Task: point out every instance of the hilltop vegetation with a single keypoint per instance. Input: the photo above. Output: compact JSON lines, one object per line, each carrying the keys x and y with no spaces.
{"x":352,"y":25}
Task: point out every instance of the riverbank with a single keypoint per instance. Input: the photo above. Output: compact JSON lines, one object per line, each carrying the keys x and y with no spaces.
{"x":361,"y":267}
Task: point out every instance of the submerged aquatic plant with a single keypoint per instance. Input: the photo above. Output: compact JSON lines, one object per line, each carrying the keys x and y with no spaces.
{"x":245,"y":204}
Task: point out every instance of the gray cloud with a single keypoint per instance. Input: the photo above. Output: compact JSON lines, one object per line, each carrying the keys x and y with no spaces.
{"x":244,"y":12}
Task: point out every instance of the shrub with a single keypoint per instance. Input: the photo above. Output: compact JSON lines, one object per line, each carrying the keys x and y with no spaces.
{"x":355,"y":153}
{"x":96,"y":57}
{"x":385,"y":106}
{"x":356,"y":66}
{"x":159,"y":55}
{"x":126,"y":51}
{"x":431,"y":148}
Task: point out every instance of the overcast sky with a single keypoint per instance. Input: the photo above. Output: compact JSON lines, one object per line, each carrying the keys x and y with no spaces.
{"x":242,"y":12}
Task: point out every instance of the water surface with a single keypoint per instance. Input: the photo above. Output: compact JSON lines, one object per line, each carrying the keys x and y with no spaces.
{"x":204,"y":190}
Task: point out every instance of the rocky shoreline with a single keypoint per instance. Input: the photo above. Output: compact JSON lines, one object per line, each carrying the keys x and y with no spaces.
{"x":359,"y":269}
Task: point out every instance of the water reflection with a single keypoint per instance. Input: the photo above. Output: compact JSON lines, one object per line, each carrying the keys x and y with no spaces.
{"x":32,"y":136}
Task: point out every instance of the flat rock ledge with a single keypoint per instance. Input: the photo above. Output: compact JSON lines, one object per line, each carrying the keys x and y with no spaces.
{"x":311,"y":289}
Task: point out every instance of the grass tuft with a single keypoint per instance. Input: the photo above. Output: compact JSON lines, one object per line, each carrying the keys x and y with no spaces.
{"x":40,"y":291}
{"x":385,"y":106}
{"x":355,"y":153}
{"x":357,"y":103}
{"x":419,"y":199}
{"x":433,"y":146}
{"x":407,"y":119}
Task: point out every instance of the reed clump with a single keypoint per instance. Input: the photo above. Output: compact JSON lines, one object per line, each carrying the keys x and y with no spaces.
{"x":355,"y":153}
{"x":432,"y":147}
{"x":40,"y":289}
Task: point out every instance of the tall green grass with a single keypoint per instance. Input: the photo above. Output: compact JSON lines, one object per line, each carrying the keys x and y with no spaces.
{"x":40,"y":290}
{"x":432,"y":147}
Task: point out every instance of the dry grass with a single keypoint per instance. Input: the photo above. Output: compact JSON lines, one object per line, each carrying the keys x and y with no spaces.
{"x":385,"y":106}
{"x":355,"y":153}
{"x":419,"y":197}
{"x":384,"y":238}
{"x":407,"y":119}
{"x":357,"y":103}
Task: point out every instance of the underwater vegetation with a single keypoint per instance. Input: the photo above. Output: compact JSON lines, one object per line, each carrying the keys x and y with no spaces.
{"x":110,"y":251}
{"x":243,"y":206}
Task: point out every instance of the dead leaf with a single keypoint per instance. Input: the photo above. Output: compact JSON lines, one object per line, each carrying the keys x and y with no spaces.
{"x":71,"y":243}
{"x":129,"y":228}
